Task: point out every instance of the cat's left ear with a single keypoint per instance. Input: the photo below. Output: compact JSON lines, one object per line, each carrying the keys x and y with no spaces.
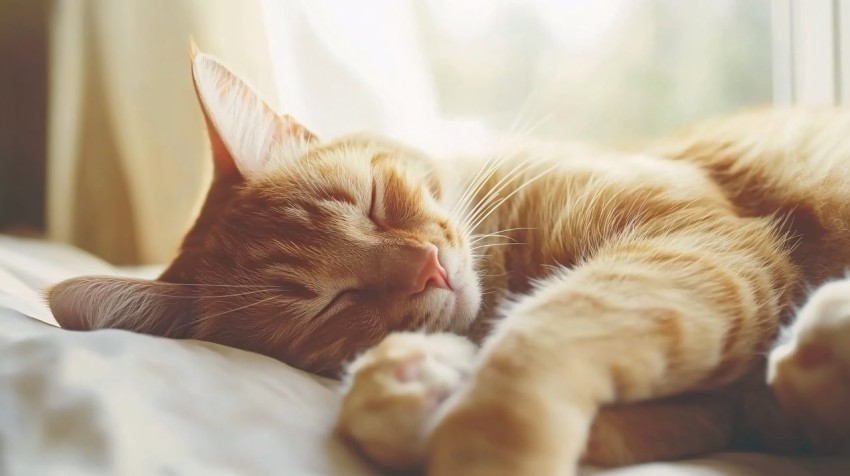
{"x":247,"y":135}
{"x":107,"y":302}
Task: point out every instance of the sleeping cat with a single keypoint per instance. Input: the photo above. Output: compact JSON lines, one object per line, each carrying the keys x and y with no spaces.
{"x":522,"y":312}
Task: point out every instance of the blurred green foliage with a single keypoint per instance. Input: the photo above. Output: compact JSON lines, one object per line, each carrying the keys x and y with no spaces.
{"x":657,"y":65}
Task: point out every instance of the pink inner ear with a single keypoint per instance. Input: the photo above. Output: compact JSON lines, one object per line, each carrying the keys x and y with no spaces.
{"x":242,"y":122}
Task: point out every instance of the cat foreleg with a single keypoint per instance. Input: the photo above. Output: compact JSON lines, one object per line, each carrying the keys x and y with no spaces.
{"x":810,"y":369}
{"x":644,"y":319}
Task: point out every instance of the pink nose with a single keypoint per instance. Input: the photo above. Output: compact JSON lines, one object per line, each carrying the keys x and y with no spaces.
{"x":432,"y":273}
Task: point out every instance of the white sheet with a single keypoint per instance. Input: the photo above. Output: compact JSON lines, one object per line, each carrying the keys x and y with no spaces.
{"x":116,"y":403}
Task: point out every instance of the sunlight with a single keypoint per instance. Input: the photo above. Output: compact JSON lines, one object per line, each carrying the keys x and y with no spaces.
{"x":579,"y":24}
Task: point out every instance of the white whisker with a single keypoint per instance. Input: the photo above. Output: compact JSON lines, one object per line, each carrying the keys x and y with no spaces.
{"x":517,"y":190}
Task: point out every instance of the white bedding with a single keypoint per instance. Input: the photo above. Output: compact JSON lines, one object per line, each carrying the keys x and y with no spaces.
{"x":116,"y":403}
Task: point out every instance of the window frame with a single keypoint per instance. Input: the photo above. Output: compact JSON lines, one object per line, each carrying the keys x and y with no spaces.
{"x":811,"y":52}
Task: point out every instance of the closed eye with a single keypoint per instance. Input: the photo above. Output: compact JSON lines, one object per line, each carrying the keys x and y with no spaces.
{"x":341,"y":298}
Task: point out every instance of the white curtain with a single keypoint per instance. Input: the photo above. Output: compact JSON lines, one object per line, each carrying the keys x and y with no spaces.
{"x":126,"y":146}
{"x":127,"y":152}
{"x":342,"y":67}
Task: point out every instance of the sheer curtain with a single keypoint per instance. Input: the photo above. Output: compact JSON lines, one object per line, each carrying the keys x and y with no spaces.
{"x":127,"y":151}
{"x":340,"y":67}
{"x":126,"y":145}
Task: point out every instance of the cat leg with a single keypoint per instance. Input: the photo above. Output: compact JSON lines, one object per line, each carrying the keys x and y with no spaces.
{"x":661,"y":430}
{"x":393,"y":389}
{"x":810,"y":369}
{"x":645,"y":318}
{"x":744,"y":417}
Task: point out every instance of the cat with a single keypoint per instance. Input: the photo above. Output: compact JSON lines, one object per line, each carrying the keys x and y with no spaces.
{"x":523,"y":312}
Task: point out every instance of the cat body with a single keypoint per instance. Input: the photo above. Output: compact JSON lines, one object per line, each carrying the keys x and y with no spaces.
{"x":518,"y":312}
{"x":701,"y":248}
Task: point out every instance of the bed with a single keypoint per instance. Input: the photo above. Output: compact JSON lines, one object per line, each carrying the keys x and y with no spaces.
{"x":116,"y":403}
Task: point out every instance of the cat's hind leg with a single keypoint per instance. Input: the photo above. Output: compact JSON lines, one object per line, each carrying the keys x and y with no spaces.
{"x":810,"y":368}
{"x":393,"y":389}
{"x":661,"y":430}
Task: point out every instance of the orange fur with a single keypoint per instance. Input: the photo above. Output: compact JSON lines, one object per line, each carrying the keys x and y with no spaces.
{"x":609,"y":279}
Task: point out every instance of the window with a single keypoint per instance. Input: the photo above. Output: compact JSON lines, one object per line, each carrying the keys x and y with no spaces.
{"x":609,"y":70}
{"x":812,"y":51}
{"x":596,"y":70}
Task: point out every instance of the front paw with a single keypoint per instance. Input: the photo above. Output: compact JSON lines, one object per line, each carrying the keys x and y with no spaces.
{"x":393,"y":390}
{"x":810,"y":371}
{"x":498,"y":426}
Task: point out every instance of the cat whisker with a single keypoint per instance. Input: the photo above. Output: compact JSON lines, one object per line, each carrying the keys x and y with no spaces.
{"x":508,"y":229}
{"x":247,"y":293}
{"x":190,"y":296}
{"x":253,"y":286}
{"x":517,"y":190}
{"x":496,"y":188}
{"x":484,"y":173}
{"x":539,"y":123}
{"x":524,"y":109}
{"x":492,"y":164}
{"x":491,"y":245}
{"x":497,"y":234}
{"x":240,"y":308}
{"x":473,"y":185}
{"x":492,"y":195}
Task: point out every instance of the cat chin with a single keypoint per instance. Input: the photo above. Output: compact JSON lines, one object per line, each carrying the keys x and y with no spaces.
{"x":456,"y":310}
{"x":466,"y":301}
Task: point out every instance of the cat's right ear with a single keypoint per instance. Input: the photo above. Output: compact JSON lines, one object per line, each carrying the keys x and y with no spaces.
{"x":105,"y":302}
{"x":248,"y":137}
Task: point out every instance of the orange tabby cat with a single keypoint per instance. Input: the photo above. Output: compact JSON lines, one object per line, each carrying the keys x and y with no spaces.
{"x":629,"y":299}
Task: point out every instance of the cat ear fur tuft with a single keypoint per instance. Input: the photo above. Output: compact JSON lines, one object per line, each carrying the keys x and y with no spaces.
{"x":247,"y":135}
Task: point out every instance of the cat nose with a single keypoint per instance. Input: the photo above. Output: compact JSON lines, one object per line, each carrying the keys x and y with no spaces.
{"x":431,"y":273}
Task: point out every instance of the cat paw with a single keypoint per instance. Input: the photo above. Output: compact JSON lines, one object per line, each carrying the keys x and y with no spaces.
{"x":393,"y":389}
{"x":810,"y":370}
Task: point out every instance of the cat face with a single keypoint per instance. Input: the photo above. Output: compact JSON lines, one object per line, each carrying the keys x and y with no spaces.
{"x":334,"y":252}
{"x":306,"y":251}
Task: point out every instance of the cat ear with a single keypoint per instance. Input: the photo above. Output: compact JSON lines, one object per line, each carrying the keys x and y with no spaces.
{"x":101,"y":302}
{"x":247,"y":135}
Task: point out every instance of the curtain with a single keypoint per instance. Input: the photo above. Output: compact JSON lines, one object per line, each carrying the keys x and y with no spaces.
{"x":128,"y":158}
{"x":342,"y":67}
{"x":127,"y":151}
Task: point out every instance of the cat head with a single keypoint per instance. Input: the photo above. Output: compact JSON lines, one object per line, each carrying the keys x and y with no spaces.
{"x":305,"y":250}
